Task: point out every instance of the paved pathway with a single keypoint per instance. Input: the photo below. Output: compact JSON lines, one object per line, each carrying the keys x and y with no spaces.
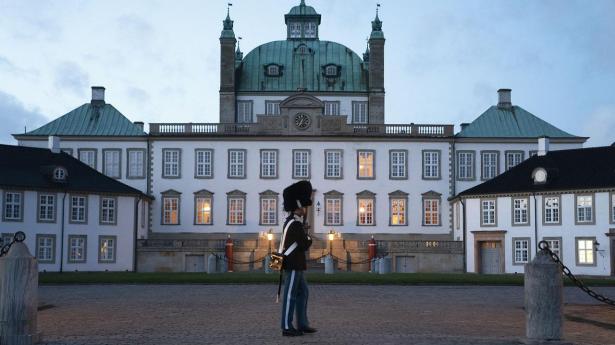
{"x":247,"y":314}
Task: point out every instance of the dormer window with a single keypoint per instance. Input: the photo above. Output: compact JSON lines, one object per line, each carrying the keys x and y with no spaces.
{"x":59,"y":174}
{"x":294,"y":30}
{"x":309,"y":30}
{"x":273,"y":70}
{"x":302,"y":49}
{"x":331,"y":71}
{"x":539,"y":175}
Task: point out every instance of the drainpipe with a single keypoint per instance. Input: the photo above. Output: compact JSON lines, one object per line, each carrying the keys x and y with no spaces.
{"x":465,"y":261}
{"x":535,"y":224}
{"x":62,"y":234}
{"x":136,"y":228}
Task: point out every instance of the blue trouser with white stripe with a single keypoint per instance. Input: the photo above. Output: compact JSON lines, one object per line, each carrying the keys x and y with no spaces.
{"x":295,"y":300}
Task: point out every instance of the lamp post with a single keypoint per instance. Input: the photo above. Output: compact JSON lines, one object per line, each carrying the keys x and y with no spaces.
{"x":329,"y":259}
{"x":331,"y":237}
{"x":270,"y":238}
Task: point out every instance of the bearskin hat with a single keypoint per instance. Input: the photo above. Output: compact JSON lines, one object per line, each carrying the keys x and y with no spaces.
{"x":297,"y":195}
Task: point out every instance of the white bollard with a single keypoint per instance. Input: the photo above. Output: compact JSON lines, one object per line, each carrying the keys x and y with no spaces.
{"x":18,"y":297}
{"x":543,"y":300}
{"x":211,"y":264}
{"x":329,"y":269}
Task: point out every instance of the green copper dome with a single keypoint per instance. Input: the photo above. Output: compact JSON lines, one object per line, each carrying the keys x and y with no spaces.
{"x":302,"y":10}
{"x":303,"y":65}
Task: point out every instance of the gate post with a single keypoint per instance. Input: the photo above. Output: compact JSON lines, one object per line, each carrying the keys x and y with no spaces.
{"x":543,"y":299}
{"x":18,"y":297}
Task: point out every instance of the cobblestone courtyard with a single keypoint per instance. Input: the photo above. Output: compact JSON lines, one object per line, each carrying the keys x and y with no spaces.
{"x":247,"y":314}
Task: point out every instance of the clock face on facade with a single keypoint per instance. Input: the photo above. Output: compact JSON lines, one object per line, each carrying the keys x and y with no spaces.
{"x":303,"y":121}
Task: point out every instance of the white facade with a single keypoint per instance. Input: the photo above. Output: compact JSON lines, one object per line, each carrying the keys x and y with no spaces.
{"x":573,"y":234}
{"x":108,"y":242}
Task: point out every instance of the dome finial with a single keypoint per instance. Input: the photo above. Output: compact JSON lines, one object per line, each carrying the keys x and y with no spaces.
{"x":238,"y":52}
{"x":366,"y":54}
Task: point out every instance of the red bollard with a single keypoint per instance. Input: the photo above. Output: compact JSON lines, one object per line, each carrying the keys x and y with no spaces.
{"x":228,"y":252}
{"x":371,"y":250}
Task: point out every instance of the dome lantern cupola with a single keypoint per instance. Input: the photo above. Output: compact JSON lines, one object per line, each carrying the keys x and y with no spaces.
{"x":302,"y":22}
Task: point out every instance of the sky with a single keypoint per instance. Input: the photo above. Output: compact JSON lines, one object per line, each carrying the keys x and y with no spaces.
{"x":444,"y":60}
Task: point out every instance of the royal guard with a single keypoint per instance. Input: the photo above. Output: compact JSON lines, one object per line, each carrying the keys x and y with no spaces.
{"x":295,"y":242}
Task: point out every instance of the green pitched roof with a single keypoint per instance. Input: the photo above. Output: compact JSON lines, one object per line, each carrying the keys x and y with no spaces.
{"x":90,"y":120}
{"x":352,"y":78}
{"x":510,"y":122}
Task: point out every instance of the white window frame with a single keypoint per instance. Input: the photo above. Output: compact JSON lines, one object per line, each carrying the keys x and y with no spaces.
{"x":331,"y":71}
{"x":171,"y":163}
{"x":45,"y":248}
{"x":521,"y":250}
{"x":245,"y":112}
{"x":334,"y":160}
{"x":465,"y":165}
{"x":585,"y":252}
{"x":555,"y":244}
{"x":112,"y":163}
{"x":272,"y":107}
{"x":333,"y":210}
{"x":332,"y":108}
{"x":520,"y":211}
{"x":488,"y":212}
{"x":584,"y":209}
{"x":309,"y":30}
{"x":294,"y":30}
{"x":136,"y":163}
{"x":268,"y":210}
{"x":366,"y":213}
{"x":398,"y":164}
{"x":77,"y":248}
{"x":366,"y":164}
{"x":552,"y":214}
{"x":360,"y":112}
{"x":204,"y":163}
{"x":236,"y":211}
{"x":269,"y":163}
{"x":429,"y":212}
{"x":88,"y":156}
{"x":431,"y":165}
{"x":273,"y":70}
{"x":108,"y":210}
{"x":13,"y":206}
{"x":489,"y":164}
{"x":170,"y":210}
{"x":301,"y":164}
{"x":237,"y":163}
{"x":513,"y":158}
{"x":107,"y":249}
{"x":399,"y":210}
{"x":78,"y":211}
{"x":202,"y":214}
{"x":46,"y":211}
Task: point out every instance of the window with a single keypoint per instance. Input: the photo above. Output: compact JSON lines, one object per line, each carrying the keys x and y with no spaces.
{"x":301,"y":164}
{"x":46,"y":208}
{"x":59,"y":174}
{"x":366,"y":211}
{"x":273,"y":70}
{"x":236,"y":208}
{"x":585,"y":251}
{"x":237,"y":164}
{"x":45,"y":248}
{"x":203,"y":207}
{"x":431,"y":165}
{"x":269,"y":163}
{"x":398,"y":166}
{"x":489,"y":165}
{"x":333,"y":208}
{"x":359,"y":112}
{"x":521,"y":250}
{"x":88,"y":156}
{"x":244,"y":112}
{"x":331,"y":71}
{"x":332,"y":108}
{"x":108,"y":210}
{"x":333,"y":164}
{"x":272,"y":107}
{"x":203,"y":163}
{"x":365,"y":162}
{"x":171,"y":163}
{"x":487,"y":213}
{"x":520,"y":211}
{"x":431,"y":211}
{"x":398,"y":209}
{"x":309,"y":30}
{"x":294,"y":30}
{"x":13,"y":206}
{"x":106,"y":249}
{"x":513,"y":158}
{"x":551,"y":210}
{"x":269,"y":208}
{"x":555,"y":244}
{"x":136,"y":163}
{"x":77,"y":248}
{"x":465,"y":165}
{"x":78,"y":209}
{"x":112,"y":163}
{"x":584,"y":209}
{"x":170,"y":208}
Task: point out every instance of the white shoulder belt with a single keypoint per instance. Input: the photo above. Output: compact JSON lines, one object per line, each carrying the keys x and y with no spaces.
{"x":292,"y":246}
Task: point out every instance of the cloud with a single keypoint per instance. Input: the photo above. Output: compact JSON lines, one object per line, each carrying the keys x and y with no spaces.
{"x":600,"y":127}
{"x":14,"y":116}
{"x":70,"y":76}
{"x":137,"y":94}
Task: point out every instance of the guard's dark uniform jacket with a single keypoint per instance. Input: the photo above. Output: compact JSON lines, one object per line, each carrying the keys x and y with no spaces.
{"x":295,"y":233}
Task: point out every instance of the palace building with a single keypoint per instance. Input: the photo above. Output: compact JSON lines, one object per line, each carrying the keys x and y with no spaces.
{"x":293,"y":109}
